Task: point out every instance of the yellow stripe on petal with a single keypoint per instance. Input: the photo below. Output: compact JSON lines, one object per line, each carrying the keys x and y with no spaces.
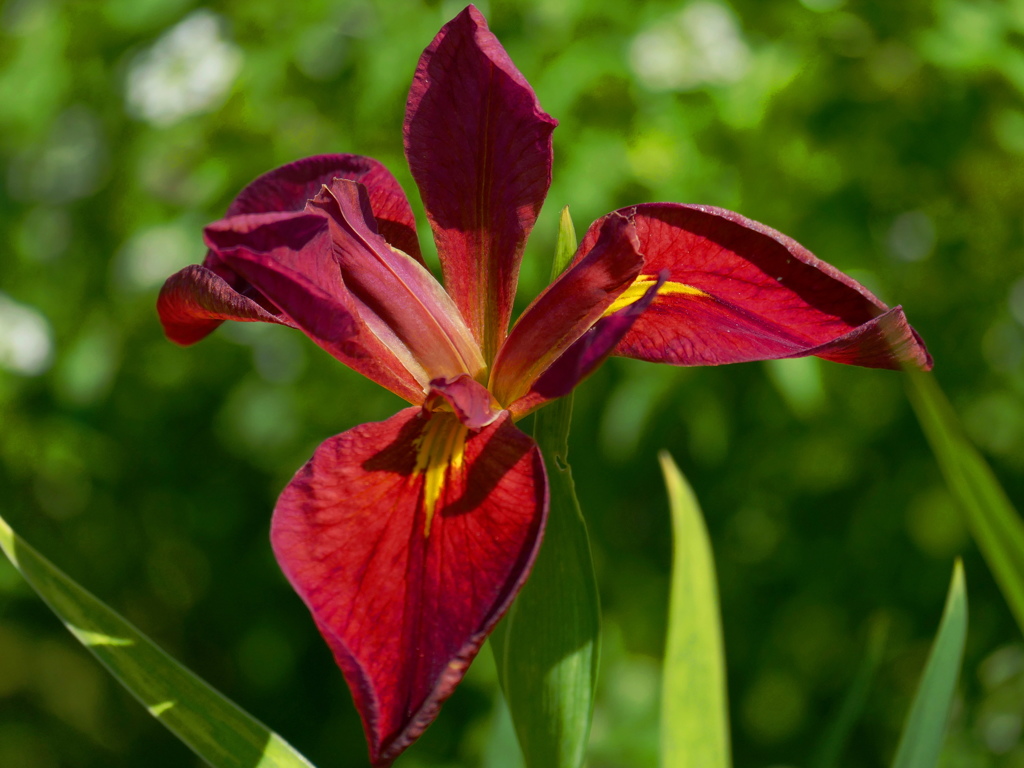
{"x":441,"y":446}
{"x":640,"y":286}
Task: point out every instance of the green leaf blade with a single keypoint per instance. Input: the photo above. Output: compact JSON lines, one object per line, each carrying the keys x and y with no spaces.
{"x":925,"y":729}
{"x":547,"y":648}
{"x":994,"y":523}
{"x":214,"y":728}
{"x":839,"y":731}
{"x":694,"y":706}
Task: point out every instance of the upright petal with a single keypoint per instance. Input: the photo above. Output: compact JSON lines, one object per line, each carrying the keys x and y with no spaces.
{"x":408,"y":539}
{"x":396,"y":294}
{"x":738,"y":290}
{"x":567,"y":309}
{"x":479,"y":147}
{"x":288,"y":259}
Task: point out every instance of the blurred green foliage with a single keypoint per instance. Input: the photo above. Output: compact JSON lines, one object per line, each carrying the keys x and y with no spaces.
{"x":886,"y":137}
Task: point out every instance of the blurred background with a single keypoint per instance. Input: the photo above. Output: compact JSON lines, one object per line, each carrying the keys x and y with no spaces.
{"x":886,"y":137}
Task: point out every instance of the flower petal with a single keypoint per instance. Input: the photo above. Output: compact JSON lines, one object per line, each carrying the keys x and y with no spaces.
{"x":396,"y":294}
{"x":405,"y":595}
{"x":285,"y":189}
{"x":194,"y":301}
{"x":586,"y":354}
{"x":289,"y":187}
{"x":567,"y":309}
{"x":479,"y":147}
{"x":738,"y":290}
{"x":289,"y":260}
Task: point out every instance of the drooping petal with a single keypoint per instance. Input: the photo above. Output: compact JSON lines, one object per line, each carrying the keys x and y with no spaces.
{"x":289,"y":187}
{"x":194,"y":301}
{"x":408,"y":539}
{"x":586,"y":354}
{"x":396,"y":294}
{"x":567,"y":309}
{"x":469,"y":400}
{"x":479,"y":147}
{"x":289,"y":260}
{"x":738,"y":290}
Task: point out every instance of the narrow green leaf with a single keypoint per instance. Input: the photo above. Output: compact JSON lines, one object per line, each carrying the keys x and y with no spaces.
{"x":838,"y":732}
{"x":212,"y":726}
{"x":925,"y":729}
{"x":995,"y":524}
{"x":694,"y":708}
{"x":547,"y":647}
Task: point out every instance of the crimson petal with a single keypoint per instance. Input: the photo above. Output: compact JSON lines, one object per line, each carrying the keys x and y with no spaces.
{"x":479,"y":147}
{"x":567,"y":309}
{"x":405,"y":596}
{"x":738,"y":290}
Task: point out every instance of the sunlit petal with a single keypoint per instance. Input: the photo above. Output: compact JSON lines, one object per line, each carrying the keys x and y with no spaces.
{"x":408,"y":539}
{"x":738,"y":290}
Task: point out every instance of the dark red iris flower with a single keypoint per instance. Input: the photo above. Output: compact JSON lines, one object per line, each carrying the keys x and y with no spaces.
{"x":409,"y":538}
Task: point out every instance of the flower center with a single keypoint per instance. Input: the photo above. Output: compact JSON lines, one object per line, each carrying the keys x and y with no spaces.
{"x":441,"y":446}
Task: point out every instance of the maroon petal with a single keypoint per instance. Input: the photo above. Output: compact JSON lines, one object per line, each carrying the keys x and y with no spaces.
{"x":194,"y":301}
{"x":479,"y":147}
{"x":567,"y":309}
{"x":584,"y":356}
{"x":738,"y":290}
{"x":408,"y":540}
{"x":289,"y":187}
{"x":286,"y":189}
{"x":289,"y":260}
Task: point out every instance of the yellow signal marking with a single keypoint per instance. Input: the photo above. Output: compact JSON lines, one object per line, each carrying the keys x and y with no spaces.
{"x":441,"y":446}
{"x":640,"y":286}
